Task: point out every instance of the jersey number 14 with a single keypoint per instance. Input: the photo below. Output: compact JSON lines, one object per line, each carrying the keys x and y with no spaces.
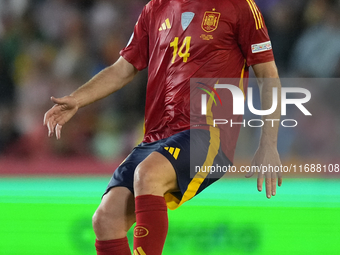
{"x":185,"y":55}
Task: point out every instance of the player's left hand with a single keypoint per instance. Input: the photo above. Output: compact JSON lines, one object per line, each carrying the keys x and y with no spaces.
{"x":267,"y":156}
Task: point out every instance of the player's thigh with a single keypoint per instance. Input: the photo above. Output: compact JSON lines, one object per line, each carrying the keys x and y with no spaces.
{"x":155,"y":175}
{"x":116,"y":211}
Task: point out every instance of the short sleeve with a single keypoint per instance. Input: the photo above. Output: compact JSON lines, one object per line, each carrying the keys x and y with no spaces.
{"x":136,"y":51}
{"x":253,"y":37}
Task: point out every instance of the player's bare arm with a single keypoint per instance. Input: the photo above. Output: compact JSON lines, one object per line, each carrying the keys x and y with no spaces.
{"x":268,"y":78}
{"x":101,"y":85}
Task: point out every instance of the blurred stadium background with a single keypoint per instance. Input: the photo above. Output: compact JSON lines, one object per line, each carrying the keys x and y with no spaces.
{"x":49,"y":189}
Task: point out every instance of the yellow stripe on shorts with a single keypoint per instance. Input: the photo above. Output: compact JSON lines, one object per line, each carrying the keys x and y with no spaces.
{"x":173,"y":202}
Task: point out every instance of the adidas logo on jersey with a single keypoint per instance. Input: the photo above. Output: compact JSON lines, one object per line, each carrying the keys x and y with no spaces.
{"x":139,"y":251}
{"x":173,"y":151}
{"x":165,"y":25}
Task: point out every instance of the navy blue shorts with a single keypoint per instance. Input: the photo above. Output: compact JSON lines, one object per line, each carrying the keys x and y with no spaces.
{"x":190,"y":152}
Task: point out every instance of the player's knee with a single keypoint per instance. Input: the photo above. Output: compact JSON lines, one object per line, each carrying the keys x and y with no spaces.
{"x":145,"y":176}
{"x":99,"y":221}
{"x":104,"y":224}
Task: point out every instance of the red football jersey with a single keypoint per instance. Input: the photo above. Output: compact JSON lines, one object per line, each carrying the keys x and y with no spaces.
{"x":182,"y":39}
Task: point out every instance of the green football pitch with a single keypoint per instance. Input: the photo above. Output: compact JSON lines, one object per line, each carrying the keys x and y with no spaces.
{"x":53,"y":216}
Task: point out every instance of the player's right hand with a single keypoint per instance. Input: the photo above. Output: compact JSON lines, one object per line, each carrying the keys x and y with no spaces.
{"x":59,"y":114}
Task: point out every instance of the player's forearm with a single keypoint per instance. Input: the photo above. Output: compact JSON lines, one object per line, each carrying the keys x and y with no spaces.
{"x":105,"y":83}
{"x":271,"y":126}
{"x":268,"y":78}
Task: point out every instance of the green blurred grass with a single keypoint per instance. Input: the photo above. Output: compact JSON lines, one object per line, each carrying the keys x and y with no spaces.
{"x":53,"y":216}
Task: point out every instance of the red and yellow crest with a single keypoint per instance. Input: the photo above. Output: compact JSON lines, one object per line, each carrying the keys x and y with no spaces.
{"x":210,"y":21}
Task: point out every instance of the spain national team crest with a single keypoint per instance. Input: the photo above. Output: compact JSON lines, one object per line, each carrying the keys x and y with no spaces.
{"x":210,"y":21}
